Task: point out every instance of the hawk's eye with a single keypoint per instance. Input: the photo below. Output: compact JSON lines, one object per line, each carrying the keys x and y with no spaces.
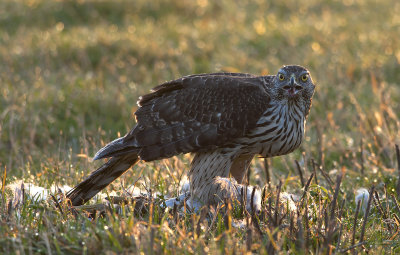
{"x":304,"y":77}
{"x":281,"y":77}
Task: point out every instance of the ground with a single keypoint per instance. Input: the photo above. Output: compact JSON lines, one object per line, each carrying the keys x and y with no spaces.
{"x":72,"y":71}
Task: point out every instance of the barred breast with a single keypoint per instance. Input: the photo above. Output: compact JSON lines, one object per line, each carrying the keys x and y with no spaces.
{"x":279,"y":131}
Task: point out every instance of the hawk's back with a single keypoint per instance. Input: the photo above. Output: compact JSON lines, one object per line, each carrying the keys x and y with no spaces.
{"x":196,"y":113}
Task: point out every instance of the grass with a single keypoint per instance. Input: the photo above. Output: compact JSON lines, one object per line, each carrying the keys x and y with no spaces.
{"x":71,"y":72}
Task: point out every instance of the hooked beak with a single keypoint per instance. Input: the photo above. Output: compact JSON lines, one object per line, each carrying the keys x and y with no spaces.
{"x":292,"y":81}
{"x":293,"y":88}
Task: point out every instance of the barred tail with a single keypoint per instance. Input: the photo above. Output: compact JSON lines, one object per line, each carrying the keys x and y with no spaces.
{"x":100,"y":178}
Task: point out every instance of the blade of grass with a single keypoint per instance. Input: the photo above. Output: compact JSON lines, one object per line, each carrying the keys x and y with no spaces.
{"x":371,"y":193}
{"x":300,"y":173}
{"x":398,"y":168}
{"x":4,"y":181}
{"x":353,"y":238}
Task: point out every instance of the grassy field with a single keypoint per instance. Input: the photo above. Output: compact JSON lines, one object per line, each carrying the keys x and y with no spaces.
{"x":72,"y":71}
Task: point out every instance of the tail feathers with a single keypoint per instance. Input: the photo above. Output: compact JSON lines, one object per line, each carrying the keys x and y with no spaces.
{"x":100,"y":178}
{"x":118,"y":147}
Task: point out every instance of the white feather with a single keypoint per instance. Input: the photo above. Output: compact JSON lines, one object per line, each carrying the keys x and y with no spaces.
{"x":362,"y":195}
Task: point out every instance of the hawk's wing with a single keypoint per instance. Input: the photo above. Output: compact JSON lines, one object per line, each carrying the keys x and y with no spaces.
{"x":186,"y":82}
{"x":194,"y":113}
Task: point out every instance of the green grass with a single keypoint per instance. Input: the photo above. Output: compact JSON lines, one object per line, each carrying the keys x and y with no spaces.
{"x":71,"y":73}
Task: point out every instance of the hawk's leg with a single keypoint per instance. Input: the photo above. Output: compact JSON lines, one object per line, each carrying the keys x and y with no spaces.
{"x":209,"y":182}
{"x":240,"y":166}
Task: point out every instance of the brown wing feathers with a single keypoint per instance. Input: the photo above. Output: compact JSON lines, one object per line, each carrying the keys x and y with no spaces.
{"x":193,"y":113}
{"x":190,"y":80}
{"x":205,"y":113}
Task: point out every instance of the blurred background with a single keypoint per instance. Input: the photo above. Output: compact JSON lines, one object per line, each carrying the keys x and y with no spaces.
{"x":72,"y":71}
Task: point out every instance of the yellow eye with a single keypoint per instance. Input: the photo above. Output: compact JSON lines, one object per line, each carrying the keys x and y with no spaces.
{"x":281,"y":77}
{"x":304,"y":77}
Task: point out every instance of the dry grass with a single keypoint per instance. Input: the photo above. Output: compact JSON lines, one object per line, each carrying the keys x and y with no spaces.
{"x":71,"y":72}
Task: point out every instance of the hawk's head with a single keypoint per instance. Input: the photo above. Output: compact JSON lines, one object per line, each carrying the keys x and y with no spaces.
{"x":293,"y":83}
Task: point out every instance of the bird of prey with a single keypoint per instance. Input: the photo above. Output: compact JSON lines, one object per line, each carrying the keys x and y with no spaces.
{"x":225,"y":119}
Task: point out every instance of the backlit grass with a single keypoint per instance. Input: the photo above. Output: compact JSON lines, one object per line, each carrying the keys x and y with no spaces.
{"x":72,"y":71}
